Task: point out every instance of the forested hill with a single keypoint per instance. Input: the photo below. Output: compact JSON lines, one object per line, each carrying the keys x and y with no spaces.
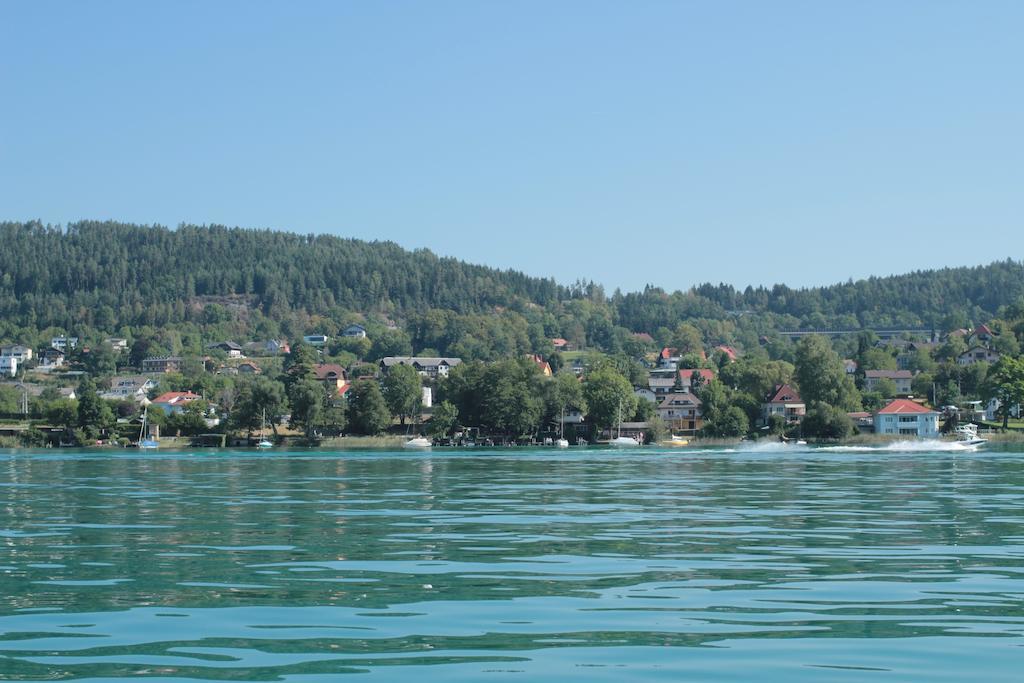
{"x":112,"y":278}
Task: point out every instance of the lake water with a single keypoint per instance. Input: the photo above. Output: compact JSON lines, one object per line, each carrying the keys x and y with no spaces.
{"x":769,"y":564}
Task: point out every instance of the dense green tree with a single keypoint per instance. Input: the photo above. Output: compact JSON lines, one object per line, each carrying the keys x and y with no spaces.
{"x":308,"y":399}
{"x":94,"y":414}
{"x":367,"y":412}
{"x":821,"y":377}
{"x":403,"y":391}
{"x":826,"y":422}
{"x":443,"y":419}
{"x":261,"y":398}
{"x":1005,"y":382}
{"x":609,"y":397}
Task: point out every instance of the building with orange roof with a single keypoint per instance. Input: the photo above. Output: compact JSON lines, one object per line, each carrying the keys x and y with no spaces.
{"x":908,"y":418}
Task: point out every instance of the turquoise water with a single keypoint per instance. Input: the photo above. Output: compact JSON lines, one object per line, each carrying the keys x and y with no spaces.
{"x":769,"y":563}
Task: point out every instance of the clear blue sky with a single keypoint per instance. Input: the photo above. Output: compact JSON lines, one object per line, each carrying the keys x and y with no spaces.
{"x":626,"y":142}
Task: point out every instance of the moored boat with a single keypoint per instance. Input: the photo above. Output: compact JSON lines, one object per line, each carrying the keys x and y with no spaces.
{"x":418,"y":442}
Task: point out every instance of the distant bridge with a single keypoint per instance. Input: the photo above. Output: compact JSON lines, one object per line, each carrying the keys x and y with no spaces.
{"x":888,"y":333}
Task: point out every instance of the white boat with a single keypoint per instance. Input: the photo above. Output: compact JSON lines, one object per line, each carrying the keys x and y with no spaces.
{"x":418,"y":442}
{"x":621,"y":441}
{"x":968,"y":435}
{"x":145,"y":441}
{"x":562,"y":443}
{"x":263,"y":442}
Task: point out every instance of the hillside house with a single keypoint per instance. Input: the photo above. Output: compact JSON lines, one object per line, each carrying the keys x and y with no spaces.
{"x":8,"y":366}
{"x":316,"y":340}
{"x":902,"y":416}
{"x":130,"y":388}
{"x":229,"y":347}
{"x":685,"y":375}
{"x":63,"y":343}
{"x":901,"y":378}
{"x":432,"y":367}
{"x":542,"y":365}
{"x":333,"y":376}
{"x":157,"y":364}
{"x":668,"y":358}
{"x":20,"y":353}
{"x":785,"y":401}
{"x":50,"y":359}
{"x":354,"y":332}
{"x":175,"y":401}
{"x":681,"y":412}
{"x":977,"y":354}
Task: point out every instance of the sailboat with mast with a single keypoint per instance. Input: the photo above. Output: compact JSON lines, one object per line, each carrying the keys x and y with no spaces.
{"x":145,"y":440}
{"x":562,"y":442}
{"x":622,"y":441}
{"x":263,"y":442}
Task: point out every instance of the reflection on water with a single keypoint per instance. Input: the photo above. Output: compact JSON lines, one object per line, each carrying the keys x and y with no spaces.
{"x":588,"y":565}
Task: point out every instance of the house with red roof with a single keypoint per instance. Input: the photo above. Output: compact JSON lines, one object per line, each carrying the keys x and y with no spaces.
{"x":561,"y":344}
{"x":333,"y":376}
{"x":785,"y":401}
{"x":729,"y":351}
{"x":543,"y":365}
{"x":908,"y":418}
{"x":174,"y":401}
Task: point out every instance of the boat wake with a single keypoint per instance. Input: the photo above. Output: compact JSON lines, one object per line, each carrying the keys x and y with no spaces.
{"x":925,"y":446}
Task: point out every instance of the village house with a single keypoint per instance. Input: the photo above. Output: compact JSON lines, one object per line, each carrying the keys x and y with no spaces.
{"x":229,"y":347}
{"x":685,"y":375}
{"x":902,"y":416}
{"x":50,"y":359}
{"x":646,"y":394}
{"x":249,"y":368}
{"x":354,"y":332}
{"x":270,"y":347}
{"x":729,"y":351}
{"x":901,"y":378}
{"x":681,"y":412}
{"x":432,"y":367}
{"x":543,"y":365}
{"x":977,"y":354}
{"x":668,"y":358}
{"x":561,"y":344}
{"x":20,"y":353}
{"x":316,"y":339}
{"x":174,"y":401}
{"x":850,"y":366}
{"x":783,"y":400}
{"x":63,"y":343}
{"x":130,"y":388}
{"x":334,"y":378}
{"x":119,"y":344}
{"x":8,"y":366}
{"x":661,"y":385}
{"x":162,"y":364}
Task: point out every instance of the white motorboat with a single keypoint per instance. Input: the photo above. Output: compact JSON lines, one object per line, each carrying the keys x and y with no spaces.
{"x":418,"y":442}
{"x":562,"y":443}
{"x":624,"y":442}
{"x":968,"y":435}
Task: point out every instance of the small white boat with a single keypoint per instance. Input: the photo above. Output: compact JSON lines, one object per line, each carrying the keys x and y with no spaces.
{"x":145,"y":441}
{"x":264,"y":442}
{"x":418,"y":442}
{"x":562,"y":443}
{"x":968,"y":435}
{"x":624,"y":442}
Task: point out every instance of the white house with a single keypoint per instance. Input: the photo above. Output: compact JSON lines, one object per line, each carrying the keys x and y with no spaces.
{"x":130,"y":387}
{"x":902,"y":416}
{"x":316,"y":339}
{"x":646,"y":394}
{"x":977,"y":354}
{"x":8,"y":366}
{"x":354,"y":331}
{"x":16,"y":351}
{"x":426,"y":366}
{"x":63,"y":343}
